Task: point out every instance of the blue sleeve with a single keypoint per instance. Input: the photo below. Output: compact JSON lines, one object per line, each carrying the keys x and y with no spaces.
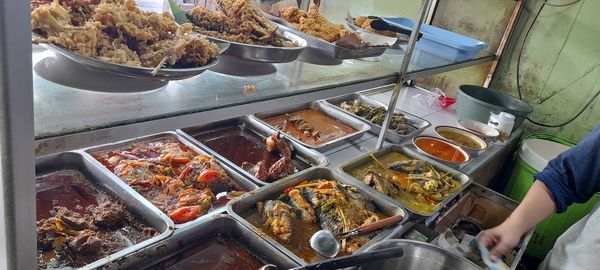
{"x":574,"y":176}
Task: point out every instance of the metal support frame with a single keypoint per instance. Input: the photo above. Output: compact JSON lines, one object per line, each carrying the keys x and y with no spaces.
{"x":17,"y":196}
{"x":423,"y":11}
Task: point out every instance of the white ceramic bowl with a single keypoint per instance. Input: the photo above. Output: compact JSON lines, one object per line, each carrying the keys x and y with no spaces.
{"x":487,"y":133}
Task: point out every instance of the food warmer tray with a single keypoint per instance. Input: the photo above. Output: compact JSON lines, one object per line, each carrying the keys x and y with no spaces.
{"x":102,"y":181}
{"x":219,"y":224}
{"x":266,"y":54}
{"x":234,"y":175}
{"x":419,"y":124}
{"x":137,"y":72}
{"x":352,"y":121}
{"x":237,"y":208}
{"x":311,"y":157}
{"x":464,"y":180}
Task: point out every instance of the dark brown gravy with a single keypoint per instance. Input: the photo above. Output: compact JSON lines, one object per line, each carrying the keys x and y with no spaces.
{"x":239,"y":145}
{"x":218,"y":253}
{"x":329,"y":128}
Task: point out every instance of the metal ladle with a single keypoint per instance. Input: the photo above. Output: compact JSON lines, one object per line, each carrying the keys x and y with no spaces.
{"x":325,"y":243}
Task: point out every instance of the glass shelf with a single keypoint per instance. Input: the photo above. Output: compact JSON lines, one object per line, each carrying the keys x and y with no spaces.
{"x":86,"y":100}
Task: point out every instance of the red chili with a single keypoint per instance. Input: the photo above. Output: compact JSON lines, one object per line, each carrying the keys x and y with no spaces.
{"x":208,"y":176}
{"x":185,"y":214}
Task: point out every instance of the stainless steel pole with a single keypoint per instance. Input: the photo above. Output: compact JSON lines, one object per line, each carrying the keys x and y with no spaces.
{"x":17,"y":172}
{"x":425,"y":5}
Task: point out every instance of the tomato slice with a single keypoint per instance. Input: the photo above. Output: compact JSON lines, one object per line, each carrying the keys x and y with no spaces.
{"x":185,"y":214}
{"x":208,"y":176}
{"x":288,"y":189}
{"x":431,"y":201}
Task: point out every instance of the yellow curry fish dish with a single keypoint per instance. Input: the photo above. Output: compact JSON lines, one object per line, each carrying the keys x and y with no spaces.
{"x":414,"y":183}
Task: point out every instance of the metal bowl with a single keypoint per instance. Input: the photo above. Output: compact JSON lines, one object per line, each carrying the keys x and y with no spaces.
{"x":418,"y":255}
{"x":266,"y":54}
{"x":469,"y":135}
{"x":133,"y":71}
{"x":456,"y":147}
{"x":487,"y":133}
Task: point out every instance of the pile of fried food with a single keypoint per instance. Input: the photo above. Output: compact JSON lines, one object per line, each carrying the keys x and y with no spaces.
{"x":237,"y":21}
{"x":327,"y":203}
{"x":174,"y":178}
{"x":425,"y":184}
{"x":314,"y":24}
{"x":118,"y":31}
{"x":364,"y":22}
{"x":376,"y":115}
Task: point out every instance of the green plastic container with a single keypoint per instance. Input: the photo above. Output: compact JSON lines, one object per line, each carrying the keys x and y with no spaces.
{"x":551,"y":228}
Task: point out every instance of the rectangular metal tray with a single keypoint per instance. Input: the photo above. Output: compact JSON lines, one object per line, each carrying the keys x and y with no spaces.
{"x":247,"y":202}
{"x":418,"y":123}
{"x":100,"y":180}
{"x":366,"y":158}
{"x":345,"y":118}
{"x":233,"y":174}
{"x":331,"y":49}
{"x":311,"y":157}
{"x":220,"y":224}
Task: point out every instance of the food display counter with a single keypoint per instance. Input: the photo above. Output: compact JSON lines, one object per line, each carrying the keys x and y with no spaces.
{"x":147,"y":142}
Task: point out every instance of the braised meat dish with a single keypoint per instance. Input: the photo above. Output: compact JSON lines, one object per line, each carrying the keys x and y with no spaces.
{"x":237,"y":21}
{"x":118,"y":31}
{"x":376,"y":115}
{"x":313,"y":205}
{"x":314,"y":24}
{"x":77,"y":225}
{"x":174,"y":178}
{"x":310,"y":126}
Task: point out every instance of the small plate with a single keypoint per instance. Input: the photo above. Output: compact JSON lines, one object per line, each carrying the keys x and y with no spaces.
{"x":487,"y":133}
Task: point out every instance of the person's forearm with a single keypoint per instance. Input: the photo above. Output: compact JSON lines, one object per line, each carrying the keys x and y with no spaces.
{"x":535,"y":207}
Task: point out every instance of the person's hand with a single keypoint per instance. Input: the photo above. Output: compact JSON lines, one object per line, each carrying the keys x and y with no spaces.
{"x":500,"y":239}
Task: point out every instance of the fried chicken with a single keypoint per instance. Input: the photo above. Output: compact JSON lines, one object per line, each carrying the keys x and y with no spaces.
{"x":314,"y":24}
{"x":238,"y":21}
{"x":118,"y":31}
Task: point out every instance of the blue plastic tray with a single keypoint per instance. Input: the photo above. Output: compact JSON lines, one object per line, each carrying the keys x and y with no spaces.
{"x":441,"y":42}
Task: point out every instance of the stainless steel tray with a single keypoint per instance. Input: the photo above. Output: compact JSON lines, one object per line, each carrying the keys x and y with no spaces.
{"x":419,"y":124}
{"x":345,"y":118}
{"x":247,"y":202}
{"x":366,"y":158}
{"x":331,"y":49}
{"x":311,"y":157}
{"x":266,"y":54}
{"x":137,"y":72}
{"x":136,"y":204}
{"x":233,"y":174}
{"x":184,"y":239}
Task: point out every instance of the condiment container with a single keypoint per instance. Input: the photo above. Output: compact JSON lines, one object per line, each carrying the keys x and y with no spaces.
{"x":503,"y":122}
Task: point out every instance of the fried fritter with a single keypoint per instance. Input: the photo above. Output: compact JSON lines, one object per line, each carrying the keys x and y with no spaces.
{"x":314,"y":24}
{"x":118,"y":31}
{"x":238,"y":21}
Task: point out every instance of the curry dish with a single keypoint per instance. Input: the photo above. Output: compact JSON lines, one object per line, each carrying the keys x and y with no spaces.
{"x":77,"y":224}
{"x":440,"y":149}
{"x":268,"y":159}
{"x":305,"y":208}
{"x":311,"y":126}
{"x":460,"y":139}
{"x":414,"y":183}
{"x":177,"y":180}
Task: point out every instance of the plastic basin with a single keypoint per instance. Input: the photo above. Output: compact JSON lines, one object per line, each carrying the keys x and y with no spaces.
{"x":476,"y":103}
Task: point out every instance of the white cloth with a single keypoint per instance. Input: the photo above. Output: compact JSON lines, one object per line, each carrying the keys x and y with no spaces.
{"x":578,"y":247}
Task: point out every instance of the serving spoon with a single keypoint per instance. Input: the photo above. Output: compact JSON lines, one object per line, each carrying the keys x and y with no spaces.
{"x":325,"y":243}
